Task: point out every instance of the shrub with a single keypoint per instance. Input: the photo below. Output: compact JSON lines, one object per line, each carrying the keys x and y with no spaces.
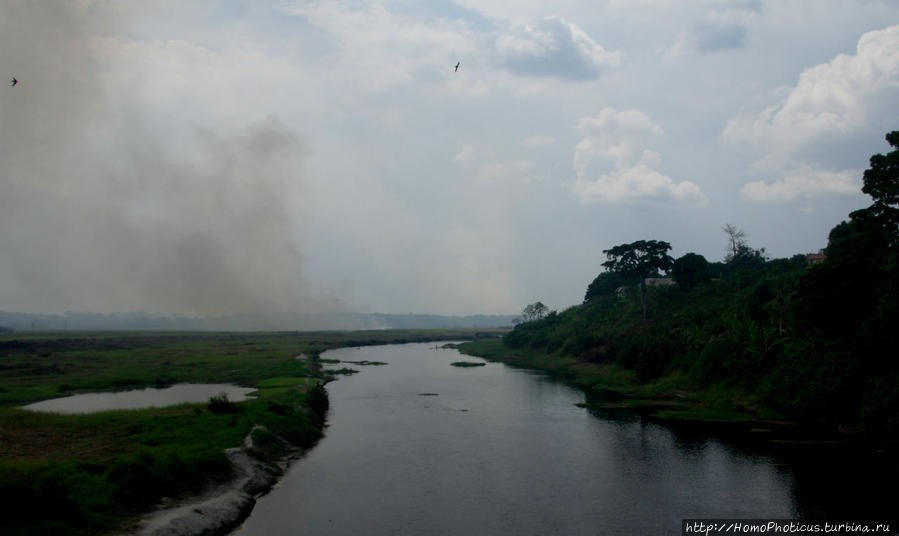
{"x":220,"y":405}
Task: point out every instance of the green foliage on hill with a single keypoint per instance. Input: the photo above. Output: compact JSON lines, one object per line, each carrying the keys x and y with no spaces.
{"x":814,"y":342}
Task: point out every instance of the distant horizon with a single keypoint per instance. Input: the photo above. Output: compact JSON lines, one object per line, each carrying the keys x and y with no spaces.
{"x":212,"y":316}
{"x":343,"y":321}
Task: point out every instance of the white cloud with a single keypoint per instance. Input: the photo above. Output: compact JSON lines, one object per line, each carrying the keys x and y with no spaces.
{"x":464,"y":154}
{"x":833,"y":102}
{"x":617,"y":137}
{"x":835,"y":98}
{"x":554,"y":47}
{"x":803,"y":182}
{"x":610,"y":118}
{"x":614,"y":164}
{"x":640,"y":183}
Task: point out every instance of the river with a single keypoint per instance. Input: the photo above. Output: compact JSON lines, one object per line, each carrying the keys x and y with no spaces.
{"x":421,"y":447}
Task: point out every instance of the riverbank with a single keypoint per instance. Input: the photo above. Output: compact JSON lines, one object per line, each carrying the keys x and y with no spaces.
{"x":223,"y":508}
{"x":671,"y":399}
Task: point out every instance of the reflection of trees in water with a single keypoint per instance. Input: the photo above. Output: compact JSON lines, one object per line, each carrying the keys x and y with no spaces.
{"x":825,"y":481}
{"x":840,"y":482}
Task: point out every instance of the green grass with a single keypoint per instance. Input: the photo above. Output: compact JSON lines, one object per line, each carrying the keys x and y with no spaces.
{"x":80,"y":474}
{"x":587,"y":375}
{"x":670,"y":397}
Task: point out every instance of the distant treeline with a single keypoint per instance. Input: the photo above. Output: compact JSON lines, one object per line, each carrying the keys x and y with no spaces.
{"x":812,"y":336}
{"x":246,"y":322}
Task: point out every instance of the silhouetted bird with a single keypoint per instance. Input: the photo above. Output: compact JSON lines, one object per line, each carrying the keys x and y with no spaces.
{"x":457,"y":66}
{"x":13,"y":82}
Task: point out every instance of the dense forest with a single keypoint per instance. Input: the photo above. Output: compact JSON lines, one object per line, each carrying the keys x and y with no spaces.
{"x":812,"y":337}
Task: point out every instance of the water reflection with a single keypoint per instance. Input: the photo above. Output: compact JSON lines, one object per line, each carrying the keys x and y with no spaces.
{"x":499,"y":450}
{"x":141,"y":398}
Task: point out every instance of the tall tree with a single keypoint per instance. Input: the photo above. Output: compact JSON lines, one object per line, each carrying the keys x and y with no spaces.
{"x":637,"y":261}
{"x":881,"y":182}
{"x":603,"y":285}
{"x":736,"y":241}
{"x":856,"y":286}
{"x":534,"y":311}
{"x":690,"y":270}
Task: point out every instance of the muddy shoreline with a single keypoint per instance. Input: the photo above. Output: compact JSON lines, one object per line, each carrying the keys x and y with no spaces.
{"x":223,"y":508}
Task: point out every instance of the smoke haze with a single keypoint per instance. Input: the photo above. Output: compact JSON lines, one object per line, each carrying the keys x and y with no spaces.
{"x":109,"y":205}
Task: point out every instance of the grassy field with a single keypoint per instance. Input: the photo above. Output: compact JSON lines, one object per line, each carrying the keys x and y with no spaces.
{"x":90,"y":474}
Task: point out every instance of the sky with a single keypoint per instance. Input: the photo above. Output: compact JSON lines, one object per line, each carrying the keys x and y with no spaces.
{"x":216,"y":157}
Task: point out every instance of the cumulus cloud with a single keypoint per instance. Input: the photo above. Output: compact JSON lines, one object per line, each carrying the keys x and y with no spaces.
{"x":554,"y":47}
{"x":614,"y":164}
{"x":833,"y":98}
{"x":831,"y":102}
{"x":803,"y":182}
{"x":640,"y":183}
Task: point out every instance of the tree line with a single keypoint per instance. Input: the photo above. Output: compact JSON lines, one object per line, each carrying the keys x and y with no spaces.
{"x":814,"y":341}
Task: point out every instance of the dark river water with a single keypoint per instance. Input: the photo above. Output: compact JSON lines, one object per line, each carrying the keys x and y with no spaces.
{"x":422,"y":447}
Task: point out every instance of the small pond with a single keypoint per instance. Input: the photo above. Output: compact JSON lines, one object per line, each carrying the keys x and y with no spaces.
{"x":141,"y":398}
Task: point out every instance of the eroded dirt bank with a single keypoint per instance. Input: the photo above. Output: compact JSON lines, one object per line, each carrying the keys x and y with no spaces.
{"x":221,"y":509}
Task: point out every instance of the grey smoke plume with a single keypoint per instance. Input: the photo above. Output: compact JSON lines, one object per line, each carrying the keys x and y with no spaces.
{"x":101,"y":211}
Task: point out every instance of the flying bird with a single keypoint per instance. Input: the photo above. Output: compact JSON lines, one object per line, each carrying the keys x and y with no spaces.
{"x":457,"y":66}
{"x":13,"y":81}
